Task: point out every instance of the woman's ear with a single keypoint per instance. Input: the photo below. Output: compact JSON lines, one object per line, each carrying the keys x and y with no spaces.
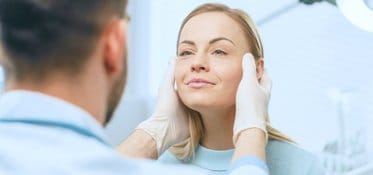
{"x":259,"y":68}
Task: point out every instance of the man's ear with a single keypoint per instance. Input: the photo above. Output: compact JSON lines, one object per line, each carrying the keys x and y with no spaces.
{"x":259,"y":68}
{"x":114,"y":49}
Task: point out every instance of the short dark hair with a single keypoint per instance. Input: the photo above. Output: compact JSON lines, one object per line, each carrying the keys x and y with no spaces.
{"x":39,"y":36}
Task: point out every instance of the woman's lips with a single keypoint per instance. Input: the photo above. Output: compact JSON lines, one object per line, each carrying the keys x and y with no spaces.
{"x":199,"y":83}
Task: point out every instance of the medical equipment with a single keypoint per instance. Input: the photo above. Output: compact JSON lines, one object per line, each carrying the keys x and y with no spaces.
{"x":358,"y":12}
{"x":347,"y":152}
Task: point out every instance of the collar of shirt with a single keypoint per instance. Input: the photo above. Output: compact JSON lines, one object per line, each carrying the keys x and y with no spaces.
{"x":214,"y":160}
{"x":35,"y":106}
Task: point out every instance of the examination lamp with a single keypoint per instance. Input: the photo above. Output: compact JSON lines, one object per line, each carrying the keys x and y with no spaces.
{"x":358,"y":12}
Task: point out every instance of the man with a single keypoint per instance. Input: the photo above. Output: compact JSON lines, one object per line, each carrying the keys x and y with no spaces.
{"x":65,"y":66}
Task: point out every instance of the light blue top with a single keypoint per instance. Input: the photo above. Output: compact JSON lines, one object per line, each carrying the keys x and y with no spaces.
{"x":282,"y":159}
{"x":44,"y":135}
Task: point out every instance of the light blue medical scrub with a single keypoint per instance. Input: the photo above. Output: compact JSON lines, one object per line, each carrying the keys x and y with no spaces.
{"x":43,"y":135}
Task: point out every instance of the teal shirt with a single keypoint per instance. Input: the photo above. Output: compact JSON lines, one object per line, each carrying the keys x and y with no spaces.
{"x":282,"y":158}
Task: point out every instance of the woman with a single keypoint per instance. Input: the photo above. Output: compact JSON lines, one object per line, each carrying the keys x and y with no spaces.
{"x":211,"y":42}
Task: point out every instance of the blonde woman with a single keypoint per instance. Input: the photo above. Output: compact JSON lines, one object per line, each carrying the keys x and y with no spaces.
{"x":212,"y":41}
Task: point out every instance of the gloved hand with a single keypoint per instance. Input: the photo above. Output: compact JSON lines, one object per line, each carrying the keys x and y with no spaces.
{"x":168,"y":125}
{"x":252,"y":99}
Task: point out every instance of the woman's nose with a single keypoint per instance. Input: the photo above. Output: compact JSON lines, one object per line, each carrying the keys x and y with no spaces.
{"x":200,"y":64}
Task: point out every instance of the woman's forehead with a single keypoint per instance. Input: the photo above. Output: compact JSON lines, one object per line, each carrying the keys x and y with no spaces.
{"x":210,"y":25}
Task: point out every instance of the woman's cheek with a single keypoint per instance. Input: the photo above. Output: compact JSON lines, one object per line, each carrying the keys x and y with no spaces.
{"x":232,"y":77}
{"x":179,"y":69}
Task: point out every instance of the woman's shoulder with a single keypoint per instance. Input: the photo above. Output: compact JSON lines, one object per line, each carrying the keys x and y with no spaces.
{"x":276,"y":148}
{"x":290,"y":158}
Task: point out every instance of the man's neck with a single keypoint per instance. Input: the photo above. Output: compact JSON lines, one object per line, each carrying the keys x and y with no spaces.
{"x":218,"y":125}
{"x":72,"y":91}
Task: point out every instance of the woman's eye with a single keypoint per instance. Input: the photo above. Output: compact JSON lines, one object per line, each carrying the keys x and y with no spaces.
{"x":219,"y":52}
{"x":185,"y":53}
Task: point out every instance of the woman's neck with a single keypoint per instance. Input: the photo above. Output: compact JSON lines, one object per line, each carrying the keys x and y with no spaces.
{"x":218,"y":129}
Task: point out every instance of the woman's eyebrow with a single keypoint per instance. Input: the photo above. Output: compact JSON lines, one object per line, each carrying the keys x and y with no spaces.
{"x":219,"y":39}
{"x":210,"y":42}
{"x":188,"y":42}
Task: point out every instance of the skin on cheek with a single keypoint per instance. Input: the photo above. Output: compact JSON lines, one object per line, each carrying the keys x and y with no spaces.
{"x":230,"y":75}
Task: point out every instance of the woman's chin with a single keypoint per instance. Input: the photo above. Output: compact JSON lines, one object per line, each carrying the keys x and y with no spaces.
{"x":200,"y":105}
{"x":203,"y":102}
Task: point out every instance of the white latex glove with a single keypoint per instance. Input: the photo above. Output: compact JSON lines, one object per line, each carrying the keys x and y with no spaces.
{"x":168,"y":125}
{"x":252,"y":99}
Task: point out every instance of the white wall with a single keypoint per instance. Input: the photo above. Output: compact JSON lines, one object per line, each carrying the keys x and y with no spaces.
{"x":309,"y":51}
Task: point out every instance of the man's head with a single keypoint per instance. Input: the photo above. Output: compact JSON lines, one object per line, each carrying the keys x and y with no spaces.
{"x":42,"y":39}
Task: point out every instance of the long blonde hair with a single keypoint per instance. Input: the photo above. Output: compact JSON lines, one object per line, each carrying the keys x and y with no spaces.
{"x":185,"y":150}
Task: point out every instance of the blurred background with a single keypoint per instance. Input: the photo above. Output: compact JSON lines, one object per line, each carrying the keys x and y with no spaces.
{"x":320,"y":63}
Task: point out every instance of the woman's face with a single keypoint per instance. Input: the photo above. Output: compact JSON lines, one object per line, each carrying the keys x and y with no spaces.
{"x":208,"y":69}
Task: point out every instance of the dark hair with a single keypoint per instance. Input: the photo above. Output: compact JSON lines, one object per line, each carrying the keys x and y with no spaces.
{"x":39,"y":36}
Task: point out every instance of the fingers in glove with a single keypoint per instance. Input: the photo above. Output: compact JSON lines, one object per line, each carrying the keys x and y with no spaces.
{"x":169,"y":79}
{"x":266,"y":82}
{"x":249,"y":68}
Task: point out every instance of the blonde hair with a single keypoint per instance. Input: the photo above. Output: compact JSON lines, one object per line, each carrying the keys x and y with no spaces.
{"x":185,"y":150}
